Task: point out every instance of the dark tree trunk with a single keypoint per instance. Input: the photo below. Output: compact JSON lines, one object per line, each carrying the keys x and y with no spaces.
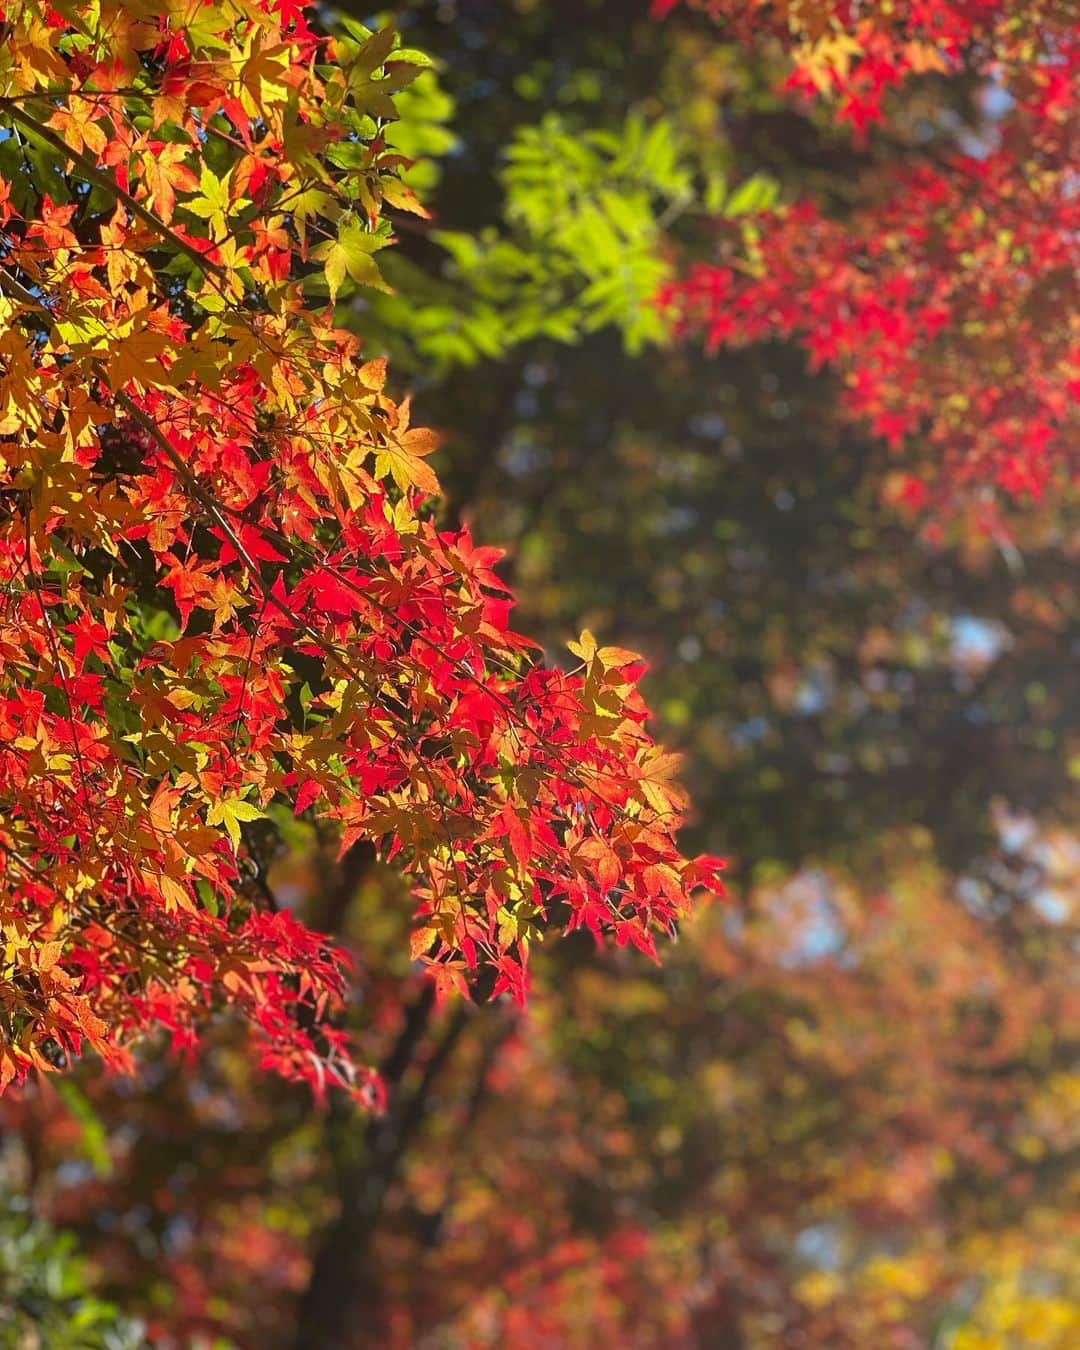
{"x":339,"y":1310}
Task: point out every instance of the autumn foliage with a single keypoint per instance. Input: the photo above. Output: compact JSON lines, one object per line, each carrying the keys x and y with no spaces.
{"x":224,"y":590}
{"x":749,"y":327}
{"x":945,"y":293}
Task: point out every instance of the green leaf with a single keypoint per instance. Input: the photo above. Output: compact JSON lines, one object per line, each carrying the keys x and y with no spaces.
{"x":753,"y":194}
{"x":373,"y":53}
{"x":414,"y":57}
{"x":207,"y":897}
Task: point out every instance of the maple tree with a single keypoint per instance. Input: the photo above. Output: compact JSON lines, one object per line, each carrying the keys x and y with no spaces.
{"x":945,"y":294}
{"x":224,"y":588}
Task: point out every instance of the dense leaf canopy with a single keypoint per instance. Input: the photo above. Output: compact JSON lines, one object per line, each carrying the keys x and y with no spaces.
{"x":749,"y":332}
{"x":224,"y":587}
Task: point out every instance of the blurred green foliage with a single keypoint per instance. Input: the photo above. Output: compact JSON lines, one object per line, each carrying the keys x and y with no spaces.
{"x":575,"y":236}
{"x":46,"y":1301}
{"x":577,"y":249}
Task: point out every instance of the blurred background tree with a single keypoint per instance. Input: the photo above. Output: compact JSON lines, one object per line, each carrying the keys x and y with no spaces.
{"x":844,"y":1112}
{"x":45,"y":1299}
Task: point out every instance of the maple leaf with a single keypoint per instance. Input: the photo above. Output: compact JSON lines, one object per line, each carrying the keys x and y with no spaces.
{"x":80,"y":126}
{"x":136,"y":357}
{"x":403,"y":453}
{"x":350,"y":254}
{"x":230,"y":812}
{"x":654,"y":774}
{"x":214,"y":202}
{"x":403,"y":459}
{"x":166,"y":172}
